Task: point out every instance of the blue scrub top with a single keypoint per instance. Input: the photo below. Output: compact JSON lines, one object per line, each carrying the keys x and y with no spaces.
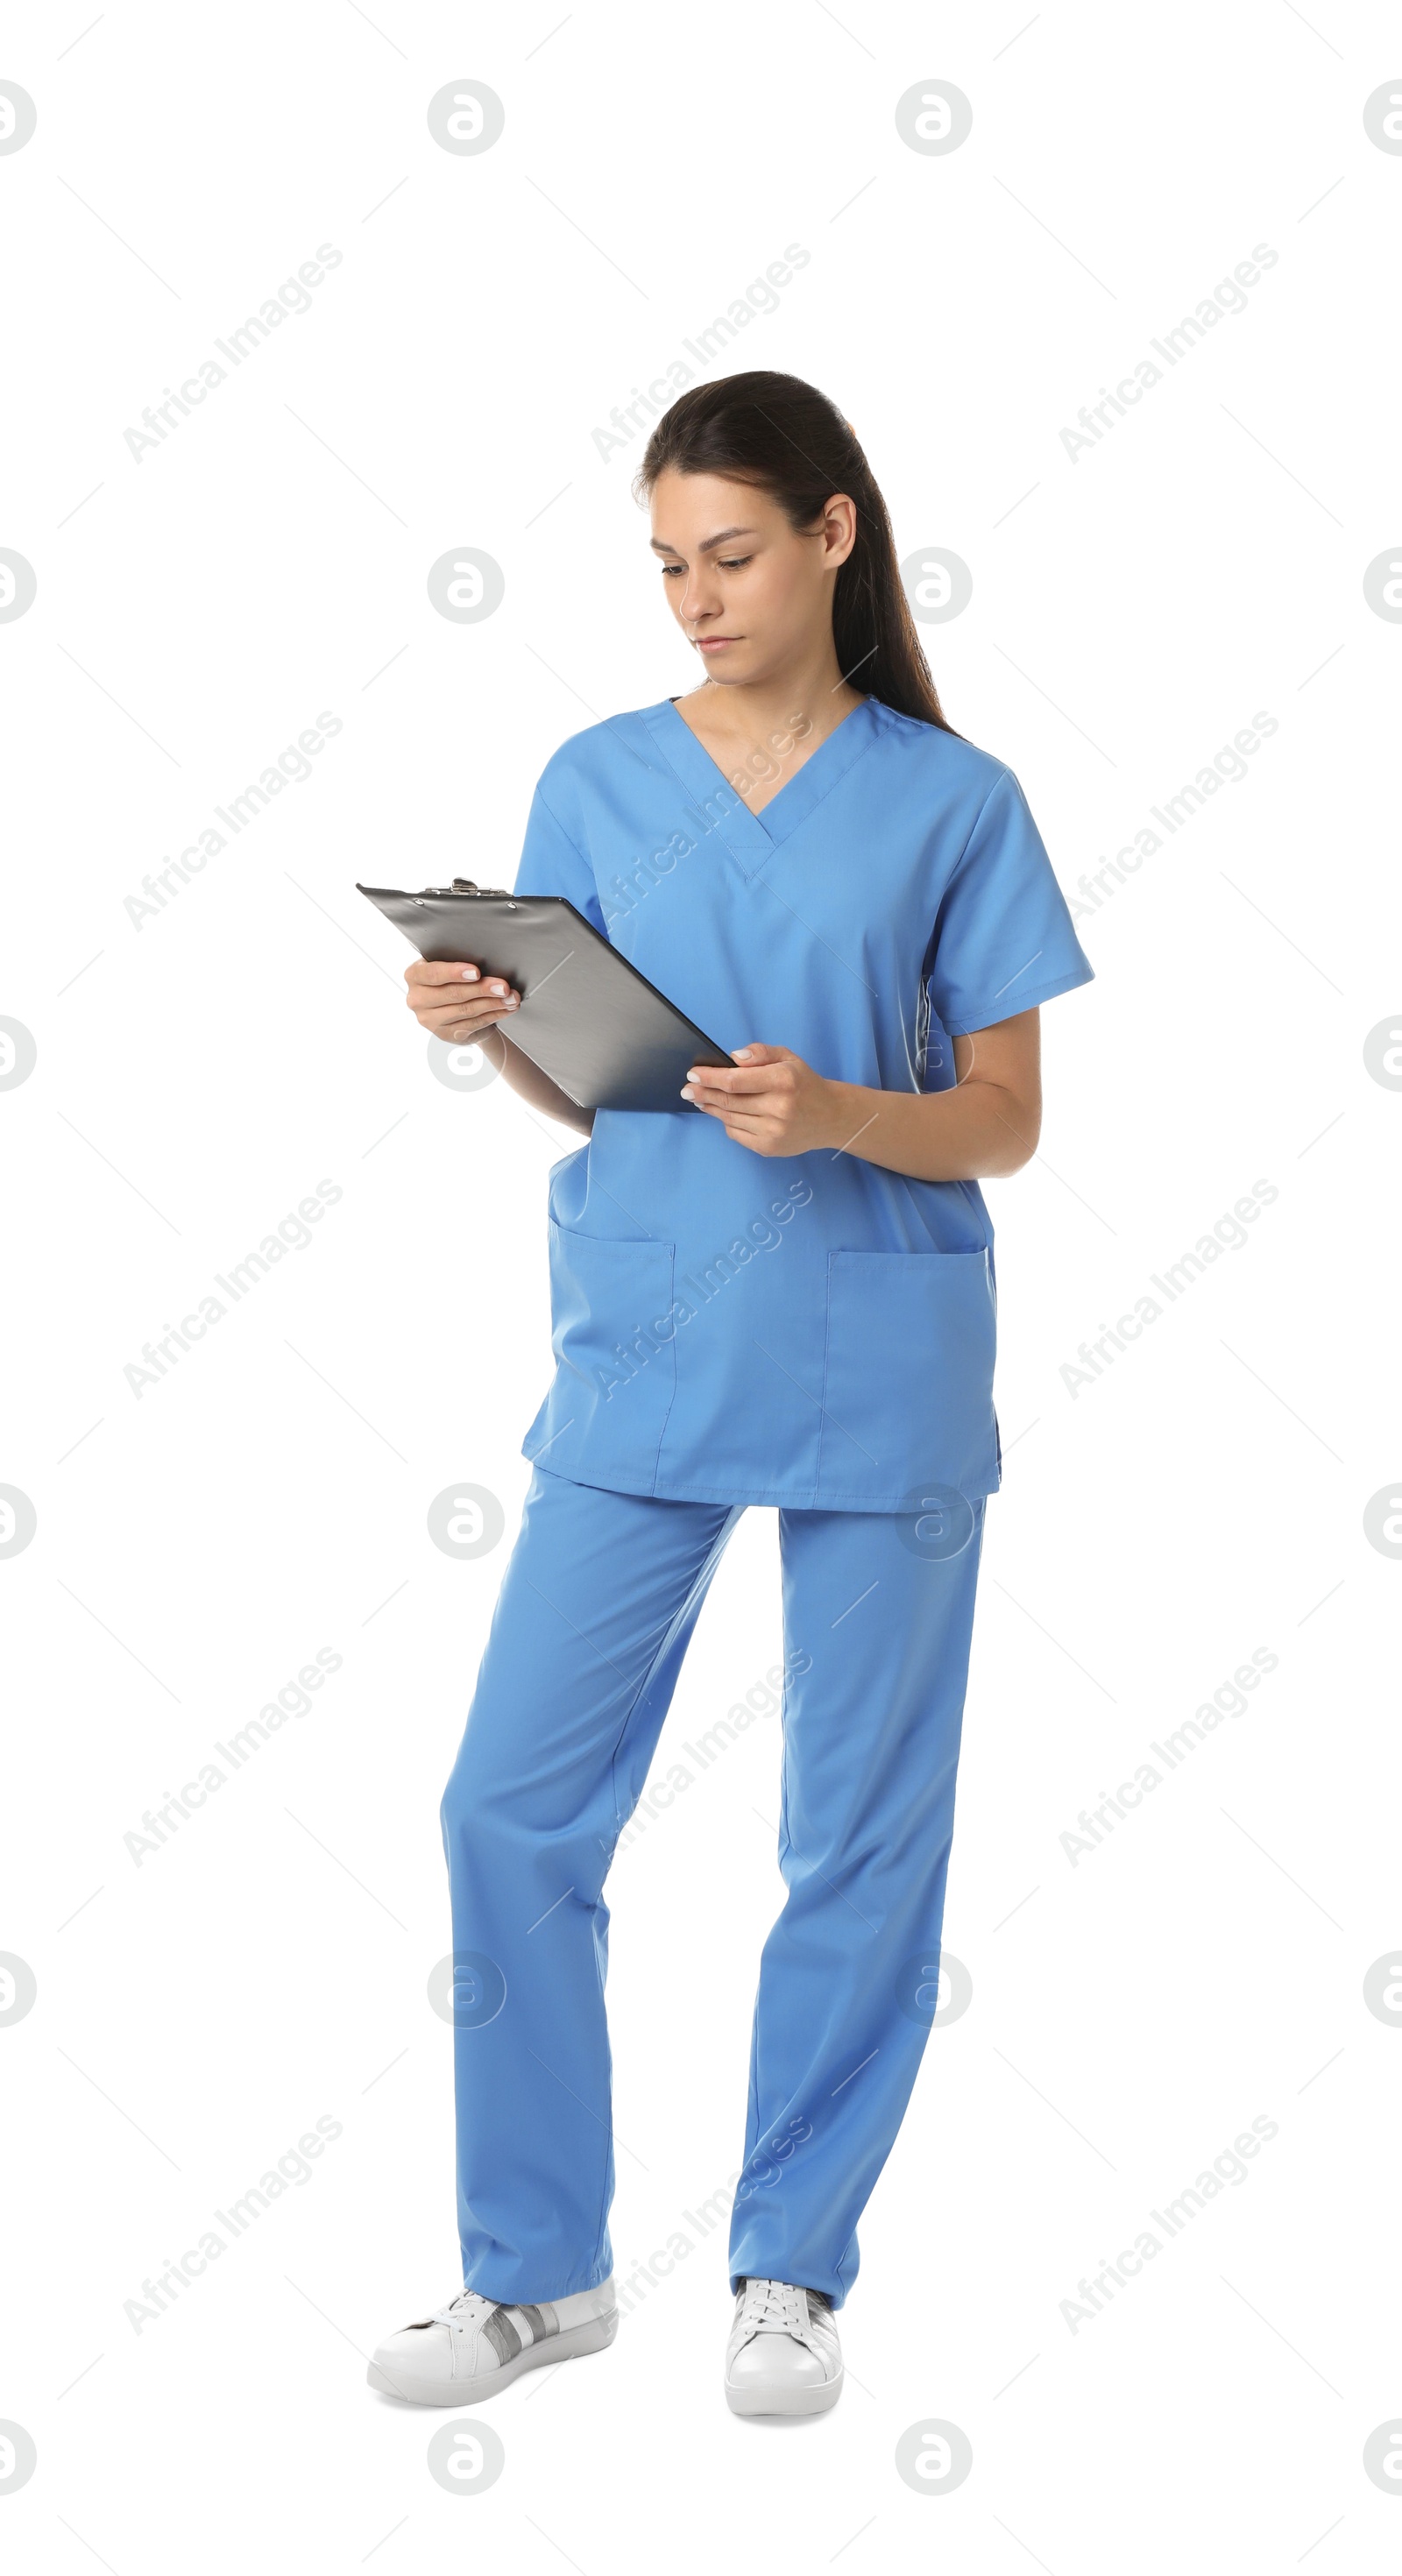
{"x":809,"y":1330}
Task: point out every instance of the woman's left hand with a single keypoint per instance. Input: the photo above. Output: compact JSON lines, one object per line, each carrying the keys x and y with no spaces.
{"x":770,"y":1100}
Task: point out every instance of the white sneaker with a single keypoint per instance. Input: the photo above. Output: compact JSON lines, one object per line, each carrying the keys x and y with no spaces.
{"x":783,"y":2357}
{"x":472,"y":2347}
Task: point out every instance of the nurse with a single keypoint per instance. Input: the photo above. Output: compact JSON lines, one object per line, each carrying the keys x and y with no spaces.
{"x":783,"y":1293}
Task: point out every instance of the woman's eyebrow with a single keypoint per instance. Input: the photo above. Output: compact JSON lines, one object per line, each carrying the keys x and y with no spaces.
{"x":660,"y":547}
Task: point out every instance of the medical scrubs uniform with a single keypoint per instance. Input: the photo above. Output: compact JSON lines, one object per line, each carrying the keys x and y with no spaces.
{"x":811,"y":1332}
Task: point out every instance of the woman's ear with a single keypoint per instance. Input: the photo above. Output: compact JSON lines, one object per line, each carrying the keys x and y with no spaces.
{"x":840,"y":514}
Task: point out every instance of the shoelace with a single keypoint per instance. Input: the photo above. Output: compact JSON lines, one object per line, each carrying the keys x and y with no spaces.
{"x":467,"y":2309}
{"x":775,"y":2307}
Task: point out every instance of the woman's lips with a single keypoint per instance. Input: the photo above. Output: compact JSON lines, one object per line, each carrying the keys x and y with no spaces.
{"x":715,"y":643}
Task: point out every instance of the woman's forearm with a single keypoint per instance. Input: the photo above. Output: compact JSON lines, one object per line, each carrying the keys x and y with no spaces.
{"x":977,"y":1131}
{"x":983,"y":1127}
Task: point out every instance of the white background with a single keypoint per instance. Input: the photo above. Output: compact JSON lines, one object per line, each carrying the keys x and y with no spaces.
{"x":1204,"y":1497}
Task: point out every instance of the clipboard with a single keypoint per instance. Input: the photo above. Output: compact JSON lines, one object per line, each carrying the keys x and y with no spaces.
{"x":606,"y":1036}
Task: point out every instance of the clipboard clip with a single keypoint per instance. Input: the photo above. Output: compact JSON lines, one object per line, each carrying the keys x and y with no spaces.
{"x":460,"y":885}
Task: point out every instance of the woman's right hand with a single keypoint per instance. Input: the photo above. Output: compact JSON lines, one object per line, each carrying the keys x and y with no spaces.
{"x":457,"y":1003}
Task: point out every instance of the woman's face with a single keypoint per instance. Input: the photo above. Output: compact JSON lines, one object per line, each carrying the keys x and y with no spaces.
{"x":750,"y":592}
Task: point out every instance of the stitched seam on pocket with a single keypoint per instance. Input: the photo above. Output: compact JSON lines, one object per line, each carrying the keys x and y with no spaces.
{"x":672,"y":1346}
{"x":823,"y":1391}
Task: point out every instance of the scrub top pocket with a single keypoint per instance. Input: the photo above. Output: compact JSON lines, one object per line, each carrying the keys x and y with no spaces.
{"x":614,"y":1334}
{"x":908,"y":1387}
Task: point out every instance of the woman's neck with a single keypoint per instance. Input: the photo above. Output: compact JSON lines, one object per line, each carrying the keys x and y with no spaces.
{"x":811,"y":693}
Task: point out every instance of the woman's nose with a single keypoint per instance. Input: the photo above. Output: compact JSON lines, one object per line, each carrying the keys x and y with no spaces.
{"x":698,"y":602}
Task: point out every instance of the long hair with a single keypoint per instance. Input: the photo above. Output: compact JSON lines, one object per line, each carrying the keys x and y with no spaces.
{"x":781,"y":434}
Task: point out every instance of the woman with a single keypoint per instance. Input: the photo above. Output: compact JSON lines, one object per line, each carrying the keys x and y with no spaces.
{"x":783,"y":1294}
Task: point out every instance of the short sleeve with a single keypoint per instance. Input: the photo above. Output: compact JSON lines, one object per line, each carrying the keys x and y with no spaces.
{"x":552,"y":863}
{"x":1003,"y":940}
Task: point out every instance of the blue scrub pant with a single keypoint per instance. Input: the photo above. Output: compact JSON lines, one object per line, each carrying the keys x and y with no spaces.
{"x":596,"y":1609}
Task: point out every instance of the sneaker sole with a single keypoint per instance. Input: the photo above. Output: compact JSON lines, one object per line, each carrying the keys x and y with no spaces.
{"x":799,"y":2400}
{"x":593,"y":2336}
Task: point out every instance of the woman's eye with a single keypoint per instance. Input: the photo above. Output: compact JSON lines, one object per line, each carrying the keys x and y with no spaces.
{"x":673,"y":572}
{"x":734,"y":563}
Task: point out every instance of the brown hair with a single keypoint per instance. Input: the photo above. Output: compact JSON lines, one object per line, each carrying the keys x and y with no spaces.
{"x":783,"y":435}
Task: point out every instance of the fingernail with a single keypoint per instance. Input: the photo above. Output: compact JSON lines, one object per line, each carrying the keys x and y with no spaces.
{"x":511,"y":1001}
{"x":687,"y":1092}
{"x":469,"y":974}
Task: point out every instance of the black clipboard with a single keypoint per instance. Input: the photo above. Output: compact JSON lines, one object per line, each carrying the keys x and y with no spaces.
{"x":596,"y":1026}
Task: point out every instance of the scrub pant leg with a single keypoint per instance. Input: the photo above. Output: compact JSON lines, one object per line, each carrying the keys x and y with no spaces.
{"x":878,"y":1613}
{"x":596,"y":1609}
{"x":594,"y":1615}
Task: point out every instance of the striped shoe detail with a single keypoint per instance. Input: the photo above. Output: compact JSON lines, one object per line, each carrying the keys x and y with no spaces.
{"x":501,"y":2334}
{"x":509,"y":2330}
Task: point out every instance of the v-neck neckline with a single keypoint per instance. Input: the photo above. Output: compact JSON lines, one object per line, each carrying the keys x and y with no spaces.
{"x":751,"y":837}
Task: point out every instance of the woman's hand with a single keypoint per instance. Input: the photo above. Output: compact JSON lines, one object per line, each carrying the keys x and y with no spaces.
{"x":461,"y":1005}
{"x":771,"y":1100}
{"x":984,"y":1127}
{"x":456,"y":1003}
